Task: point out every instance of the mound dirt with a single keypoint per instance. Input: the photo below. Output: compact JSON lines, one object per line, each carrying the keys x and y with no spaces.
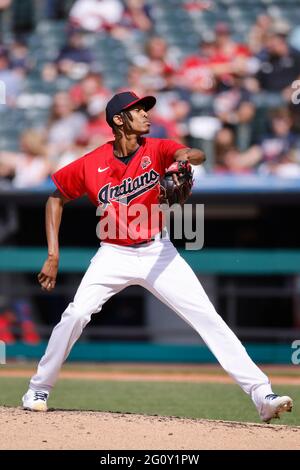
{"x":64,"y":430}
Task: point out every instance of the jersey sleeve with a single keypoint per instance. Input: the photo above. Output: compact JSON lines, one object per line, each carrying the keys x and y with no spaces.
{"x":70,"y":180}
{"x":167,"y":149}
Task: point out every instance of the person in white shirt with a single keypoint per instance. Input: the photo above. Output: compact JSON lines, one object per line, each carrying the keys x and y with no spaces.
{"x":95,"y":15}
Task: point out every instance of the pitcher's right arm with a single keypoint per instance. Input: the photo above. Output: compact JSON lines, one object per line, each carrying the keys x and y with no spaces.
{"x":54,"y":209}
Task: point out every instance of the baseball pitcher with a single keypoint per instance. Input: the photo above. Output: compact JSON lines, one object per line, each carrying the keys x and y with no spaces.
{"x":129,"y":174}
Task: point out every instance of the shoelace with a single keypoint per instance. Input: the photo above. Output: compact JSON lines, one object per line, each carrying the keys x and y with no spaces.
{"x":40,"y":396}
{"x":271,"y":396}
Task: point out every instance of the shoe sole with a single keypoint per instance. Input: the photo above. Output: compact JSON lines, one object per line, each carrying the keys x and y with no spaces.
{"x":40,"y":407}
{"x":287,"y":406}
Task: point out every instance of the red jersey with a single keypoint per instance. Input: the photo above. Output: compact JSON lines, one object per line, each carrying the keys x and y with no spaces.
{"x":198,"y":72}
{"x":126,"y":194}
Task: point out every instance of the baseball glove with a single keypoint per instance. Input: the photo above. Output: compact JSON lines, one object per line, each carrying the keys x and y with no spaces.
{"x":177,"y":183}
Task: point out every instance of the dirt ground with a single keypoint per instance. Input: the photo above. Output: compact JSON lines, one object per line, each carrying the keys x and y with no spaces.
{"x":110,"y":431}
{"x":94,"y":430}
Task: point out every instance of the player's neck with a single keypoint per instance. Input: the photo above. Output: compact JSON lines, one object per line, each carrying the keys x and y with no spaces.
{"x":126,"y":145}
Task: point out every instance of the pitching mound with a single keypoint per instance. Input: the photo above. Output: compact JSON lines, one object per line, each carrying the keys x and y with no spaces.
{"x":59,"y":429}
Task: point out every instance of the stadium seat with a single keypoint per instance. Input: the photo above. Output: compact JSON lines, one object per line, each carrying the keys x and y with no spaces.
{"x":9,"y":141}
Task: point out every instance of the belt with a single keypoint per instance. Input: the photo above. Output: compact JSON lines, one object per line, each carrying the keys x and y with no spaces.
{"x":158,"y":236}
{"x":145,"y":242}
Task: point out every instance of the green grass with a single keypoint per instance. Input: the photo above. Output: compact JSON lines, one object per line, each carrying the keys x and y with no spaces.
{"x":210,"y":401}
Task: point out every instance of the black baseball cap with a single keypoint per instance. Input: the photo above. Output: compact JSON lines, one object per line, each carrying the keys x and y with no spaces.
{"x":125,"y":100}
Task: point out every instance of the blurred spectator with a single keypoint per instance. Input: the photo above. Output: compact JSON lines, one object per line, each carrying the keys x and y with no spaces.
{"x":276,"y":153}
{"x":226,"y":71}
{"x":136,"y":18}
{"x":155,"y":63}
{"x":135,"y":81}
{"x":230,"y":57}
{"x":158,"y":128}
{"x":55,"y":9}
{"x":49,"y":73}
{"x":4,"y":4}
{"x":76,"y":150}
{"x":228,"y":159}
{"x":218,"y":59}
{"x":96,"y":15}
{"x":137,"y":15}
{"x":164,"y":128}
{"x":11,"y":79}
{"x":30,"y":167}
{"x":234,"y":106}
{"x":226,"y":46}
{"x":173,"y":103}
{"x":65,"y":125}
{"x":6,"y":321}
{"x":23,"y":312}
{"x":197,"y":71}
{"x":89,"y":89}
{"x":96,"y":131}
{"x":259,"y":33}
{"x":75,"y":58}
{"x":19,"y":57}
{"x":16,"y":321}
{"x":280,"y":65}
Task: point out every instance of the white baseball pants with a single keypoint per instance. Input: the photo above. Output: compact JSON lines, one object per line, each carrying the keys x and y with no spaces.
{"x":158,"y":267}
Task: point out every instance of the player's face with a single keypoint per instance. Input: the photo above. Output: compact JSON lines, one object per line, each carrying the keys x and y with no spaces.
{"x":140,"y":121}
